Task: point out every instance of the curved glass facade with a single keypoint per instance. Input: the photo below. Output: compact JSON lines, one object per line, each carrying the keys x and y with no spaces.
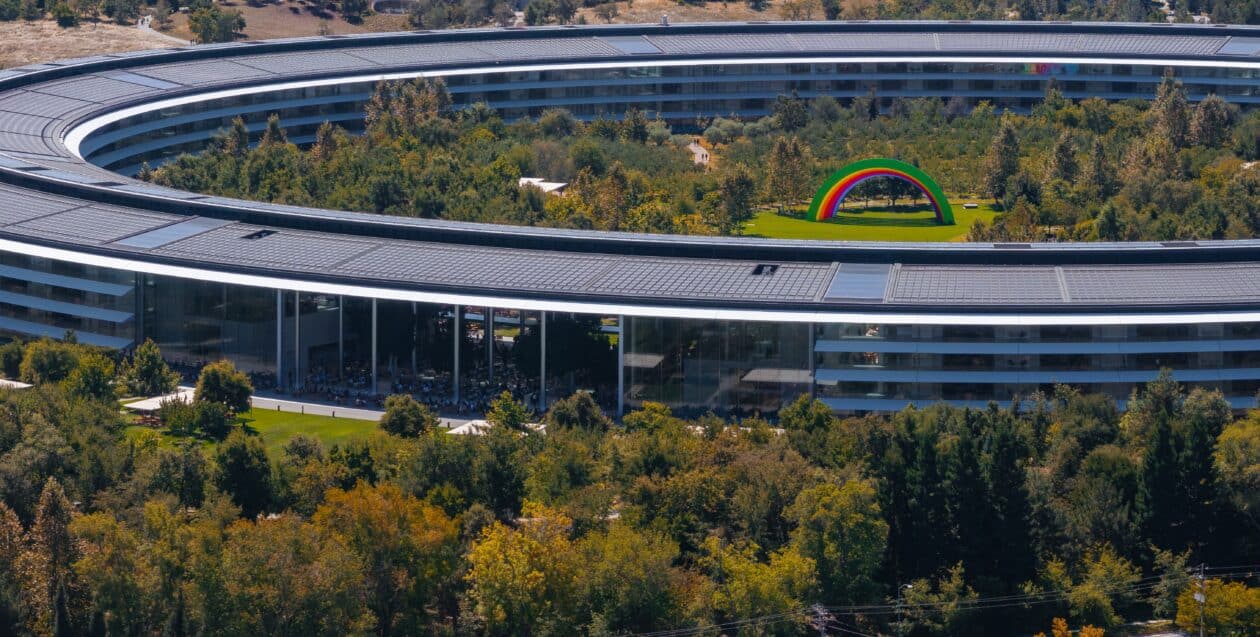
{"x":321,"y":345}
{"x":679,"y":94}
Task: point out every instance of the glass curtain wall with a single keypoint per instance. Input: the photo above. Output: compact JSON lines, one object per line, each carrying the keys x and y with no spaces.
{"x":735,"y":368}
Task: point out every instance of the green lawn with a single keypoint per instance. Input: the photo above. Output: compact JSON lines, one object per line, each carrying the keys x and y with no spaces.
{"x":873,"y":224}
{"x":277,"y":427}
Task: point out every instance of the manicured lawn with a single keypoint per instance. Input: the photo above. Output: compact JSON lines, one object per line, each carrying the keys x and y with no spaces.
{"x":873,"y":224}
{"x":277,"y":427}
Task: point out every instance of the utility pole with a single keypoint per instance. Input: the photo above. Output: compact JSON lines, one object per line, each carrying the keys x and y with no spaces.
{"x":1201,"y":596}
{"x":901,"y":617}
{"x":820,"y":619}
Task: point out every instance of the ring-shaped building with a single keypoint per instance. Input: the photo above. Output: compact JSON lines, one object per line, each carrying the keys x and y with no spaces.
{"x":735,"y":326}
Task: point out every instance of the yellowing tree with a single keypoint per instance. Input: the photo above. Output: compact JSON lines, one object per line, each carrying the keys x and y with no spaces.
{"x":408,"y":549}
{"x":524,"y":579}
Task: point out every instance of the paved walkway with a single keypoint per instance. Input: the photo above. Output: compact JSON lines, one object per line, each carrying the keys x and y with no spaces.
{"x":145,"y":23}
{"x":698,"y":154}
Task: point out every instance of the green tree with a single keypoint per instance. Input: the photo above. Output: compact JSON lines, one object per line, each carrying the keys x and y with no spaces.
{"x":579,"y":411}
{"x":1170,"y":112}
{"x":629,"y":581}
{"x":1002,"y":162}
{"x":1211,"y":121}
{"x":48,"y":361}
{"x":787,"y":171}
{"x":92,"y":378}
{"x":244,"y":472}
{"x":790,"y":112}
{"x":505,"y":411}
{"x":1063,"y":164}
{"x":148,"y":374}
{"x":220,"y":382}
{"x":840,"y":528}
{"x":406,"y":417}
{"x":213,"y":24}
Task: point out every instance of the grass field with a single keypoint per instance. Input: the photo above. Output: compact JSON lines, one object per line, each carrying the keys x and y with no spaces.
{"x":874,"y":224}
{"x":44,"y":41}
{"x":277,"y":427}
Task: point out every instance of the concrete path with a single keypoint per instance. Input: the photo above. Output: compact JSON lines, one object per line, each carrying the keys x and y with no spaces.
{"x":145,"y":23}
{"x":319,"y":409}
{"x":698,"y":154}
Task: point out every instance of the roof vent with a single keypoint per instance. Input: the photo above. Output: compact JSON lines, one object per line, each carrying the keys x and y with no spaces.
{"x":258,"y":235}
{"x":765,"y":269}
{"x":1179,"y":244}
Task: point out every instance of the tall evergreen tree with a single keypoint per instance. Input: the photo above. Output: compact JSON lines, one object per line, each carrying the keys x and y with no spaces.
{"x":1003,"y":160}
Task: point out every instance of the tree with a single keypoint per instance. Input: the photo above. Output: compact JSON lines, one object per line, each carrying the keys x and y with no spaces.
{"x":1211,"y":121}
{"x":92,"y":378}
{"x":115,"y":571}
{"x":787,"y":171}
{"x":790,"y":112}
{"x":48,"y":361}
{"x":352,"y":10}
{"x":629,"y":580}
{"x":1003,"y":160}
{"x":220,"y":382}
{"x":406,"y":417}
{"x":746,"y":587}
{"x":408,"y":549}
{"x":1237,"y":458}
{"x":525,"y":580}
{"x":1229,"y":609}
{"x":1170,"y":112}
{"x":46,"y":562}
{"x":282,"y":577}
{"x":148,"y":374}
{"x":1097,"y":173}
{"x":840,"y":528}
{"x":736,"y":193}
{"x":508,"y":413}
{"x":212,"y":24}
{"x":579,"y":411}
{"x":244,"y":472}
{"x":606,"y":12}
{"x":1063,"y":164}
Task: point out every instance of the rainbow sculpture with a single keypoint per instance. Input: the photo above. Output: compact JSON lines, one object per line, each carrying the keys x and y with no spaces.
{"x":838,"y":186}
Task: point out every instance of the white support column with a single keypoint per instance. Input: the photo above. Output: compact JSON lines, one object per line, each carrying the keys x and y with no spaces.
{"x":279,"y":338}
{"x":455,"y":320}
{"x":414,"y":373}
{"x":812,"y":384}
{"x":341,"y":336}
{"x":542,"y":361}
{"x":621,"y":365}
{"x":488,"y":326}
{"x":374,"y":346}
{"x":297,"y":339}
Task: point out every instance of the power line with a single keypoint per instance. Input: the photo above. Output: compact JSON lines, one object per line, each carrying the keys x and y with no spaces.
{"x":1143,"y":584}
